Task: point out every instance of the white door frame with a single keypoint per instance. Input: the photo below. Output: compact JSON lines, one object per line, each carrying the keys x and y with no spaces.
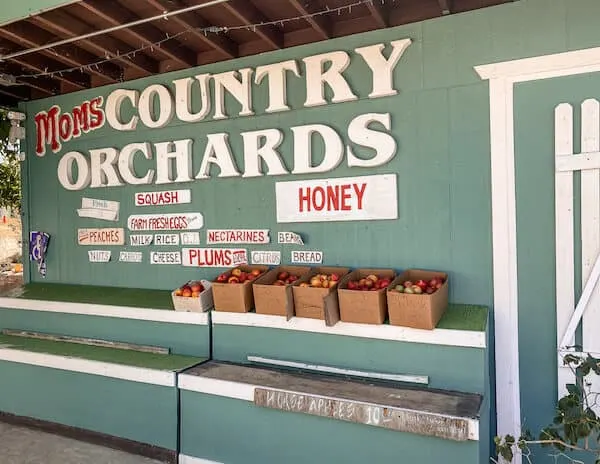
{"x":502,"y":76}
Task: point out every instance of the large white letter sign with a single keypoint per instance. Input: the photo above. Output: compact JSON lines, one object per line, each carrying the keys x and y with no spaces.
{"x":382,"y":69}
{"x":276,"y":73}
{"x":334,"y":149}
{"x":217,"y":152}
{"x":360,"y":133}
{"x":239,"y":89}
{"x":65,"y":171}
{"x":181,"y":154}
{"x":342,"y":199}
{"x":254,"y":151}
{"x":102,"y":162}
{"x":316,"y":78}
{"x":165,"y":106}
{"x":113,"y":109}
{"x":126,"y":164}
{"x":183,"y":98}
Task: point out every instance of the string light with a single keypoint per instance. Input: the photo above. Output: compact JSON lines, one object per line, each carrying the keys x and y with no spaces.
{"x":205,"y":31}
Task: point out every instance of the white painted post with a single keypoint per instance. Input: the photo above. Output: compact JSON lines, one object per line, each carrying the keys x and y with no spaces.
{"x":590,"y":227}
{"x":565,"y":258}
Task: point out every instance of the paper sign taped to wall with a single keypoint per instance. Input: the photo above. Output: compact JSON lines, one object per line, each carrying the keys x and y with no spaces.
{"x":99,"y":256}
{"x":289,"y":238}
{"x":165,"y":257}
{"x":268,"y":258}
{"x":99,"y":209}
{"x":237,"y":236}
{"x":141,"y":239}
{"x":130,"y":256}
{"x":158,"y":222}
{"x":214,"y":257}
{"x":190,"y":238}
{"x":307,"y":257}
{"x":101,"y":236}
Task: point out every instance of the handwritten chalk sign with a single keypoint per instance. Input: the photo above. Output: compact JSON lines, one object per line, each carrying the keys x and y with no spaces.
{"x":190,"y":238}
{"x":99,"y":209}
{"x":130,"y":256}
{"x":214,"y":257}
{"x":101,"y":236}
{"x":99,"y":256}
{"x":268,"y":258}
{"x":307,"y":257}
{"x":158,"y":222}
{"x":165,"y":257}
{"x":402,"y":420}
{"x":341,"y":199}
{"x":166,"y":239}
{"x":141,"y":239}
{"x":289,"y":238}
{"x":237,"y":236}
{"x":165,"y":198}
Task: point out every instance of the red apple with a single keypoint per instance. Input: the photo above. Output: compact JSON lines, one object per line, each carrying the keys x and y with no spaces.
{"x":429,"y":290}
{"x":233,"y":280}
{"x":407,"y":284}
{"x":369,"y":283}
{"x":178,"y":292}
{"x":384,"y":283}
{"x":421,"y":283}
{"x":292,"y":279}
{"x":222,"y":278}
{"x":352,"y":285}
{"x":187,"y":292}
{"x":196,"y":287}
{"x":236,"y":272}
{"x":255,"y":272}
{"x":283,"y":275}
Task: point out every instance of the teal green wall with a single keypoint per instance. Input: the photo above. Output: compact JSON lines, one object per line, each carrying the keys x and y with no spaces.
{"x":188,"y":339}
{"x":137,"y":411}
{"x":13,"y":11}
{"x":240,"y":433}
{"x":448,"y":367}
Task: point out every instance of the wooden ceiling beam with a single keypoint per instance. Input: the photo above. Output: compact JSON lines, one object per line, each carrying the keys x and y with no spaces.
{"x":195,"y":23}
{"x":18,"y":93}
{"x":379,"y":14}
{"x":43,"y":84}
{"x":24,"y":34}
{"x":319,"y":23}
{"x":67,"y":26}
{"x":446,"y":6}
{"x":145,"y":34}
{"x":248,"y":14}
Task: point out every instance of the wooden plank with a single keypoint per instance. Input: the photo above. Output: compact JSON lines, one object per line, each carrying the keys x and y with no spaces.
{"x":86,"y":341}
{"x":446,"y":6}
{"x":416,"y":398}
{"x":401,"y":420}
{"x":585,"y":161}
{"x":565,"y":265}
{"x":319,"y":23}
{"x":379,"y":14}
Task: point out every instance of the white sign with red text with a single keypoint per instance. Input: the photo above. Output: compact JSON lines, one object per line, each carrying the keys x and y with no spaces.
{"x":341,"y":199}
{"x":170,"y":197}
{"x":255,"y":236}
{"x":174,"y":221}
{"x":214,"y":257}
{"x":106,"y":236}
{"x":165,"y":257}
{"x":268,"y":258}
{"x":307,"y":257}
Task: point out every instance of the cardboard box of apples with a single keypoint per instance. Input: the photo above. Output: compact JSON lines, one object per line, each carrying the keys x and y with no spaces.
{"x":315,"y":294}
{"x":362,"y":295}
{"x":418,"y":299}
{"x":193,"y":296}
{"x":273,"y":293}
{"x":232,"y":290}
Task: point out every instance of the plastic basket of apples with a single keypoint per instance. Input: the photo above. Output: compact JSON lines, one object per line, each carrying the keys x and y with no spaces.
{"x":193,"y":296}
{"x":418,"y":299}
{"x":232,"y":290}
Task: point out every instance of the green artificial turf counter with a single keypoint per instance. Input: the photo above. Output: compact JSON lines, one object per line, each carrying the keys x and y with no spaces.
{"x":113,"y":296}
{"x":464,"y":317}
{"x":166,"y":362}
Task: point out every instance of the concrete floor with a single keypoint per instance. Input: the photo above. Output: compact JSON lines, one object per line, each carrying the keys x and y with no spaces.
{"x":24,"y":446}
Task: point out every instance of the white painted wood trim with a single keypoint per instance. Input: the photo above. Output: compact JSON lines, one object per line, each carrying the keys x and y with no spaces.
{"x":244,"y":391}
{"x":543,"y":67}
{"x":216,"y":387}
{"x":183,"y":459}
{"x":420,"y":379}
{"x":502,"y":77}
{"x":122,"y":312}
{"x":585,"y":161}
{"x":85,"y":366}
{"x":504,"y":231}
{"x":463,"y":338}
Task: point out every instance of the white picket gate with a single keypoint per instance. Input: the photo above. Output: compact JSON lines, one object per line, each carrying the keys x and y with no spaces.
{"x":587,"y":310}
